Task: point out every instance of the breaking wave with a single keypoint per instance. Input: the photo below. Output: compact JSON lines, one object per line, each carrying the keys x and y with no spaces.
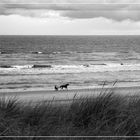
{"x":38,"y":69}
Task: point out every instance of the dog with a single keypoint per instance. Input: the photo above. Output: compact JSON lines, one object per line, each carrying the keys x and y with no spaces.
{"x":61,"y":87}
{"x":64,"y":86}
{"x":56,"y":88}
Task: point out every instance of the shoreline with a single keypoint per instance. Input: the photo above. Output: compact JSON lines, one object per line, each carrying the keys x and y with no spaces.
{"x":76,"y":89}
{"x":67,"y":95}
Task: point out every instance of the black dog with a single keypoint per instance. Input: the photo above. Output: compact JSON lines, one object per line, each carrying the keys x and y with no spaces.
{"x":64,"y":86}
{"x":56,"y":88}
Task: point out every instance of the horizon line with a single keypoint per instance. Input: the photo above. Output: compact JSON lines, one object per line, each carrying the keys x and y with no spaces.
{"x":74,"y":3}
{"x":74,"y":35}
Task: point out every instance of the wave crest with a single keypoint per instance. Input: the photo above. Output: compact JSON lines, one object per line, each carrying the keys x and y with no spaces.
{"x":46,"y":68}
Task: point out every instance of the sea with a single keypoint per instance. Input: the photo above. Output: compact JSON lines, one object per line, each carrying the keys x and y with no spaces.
{"x":31,"y":63}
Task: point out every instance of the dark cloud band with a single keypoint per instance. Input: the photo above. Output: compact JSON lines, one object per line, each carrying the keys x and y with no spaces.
{"x":71,"y":10}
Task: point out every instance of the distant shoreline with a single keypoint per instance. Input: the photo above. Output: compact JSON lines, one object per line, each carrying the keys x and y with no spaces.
{"x":73,"y":35}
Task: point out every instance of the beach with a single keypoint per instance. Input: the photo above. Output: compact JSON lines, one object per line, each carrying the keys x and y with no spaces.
{"x":38,"y":63}
{"x":71,"y":112}
{"x":69,"y":69}
{"x":65,"y":96}
{"x":103,"y":74}
{"x":90,"y":64}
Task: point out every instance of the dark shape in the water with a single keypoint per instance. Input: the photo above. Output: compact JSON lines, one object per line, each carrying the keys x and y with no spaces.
{"x":86,"y":65}
{"x":99,"y":64}
{"x":37,"y":52}
{"x":6,"y":66}
{"x":42,"y":66}
{"x":3,"y":52}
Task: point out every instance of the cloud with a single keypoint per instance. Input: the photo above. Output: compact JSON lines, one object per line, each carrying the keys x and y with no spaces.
{"x":73,"y":9}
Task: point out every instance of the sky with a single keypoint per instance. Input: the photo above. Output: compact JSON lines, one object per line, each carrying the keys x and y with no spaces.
{"x":69,"y":17}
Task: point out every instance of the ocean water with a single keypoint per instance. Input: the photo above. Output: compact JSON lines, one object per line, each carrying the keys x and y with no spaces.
{"x":40,"y":62}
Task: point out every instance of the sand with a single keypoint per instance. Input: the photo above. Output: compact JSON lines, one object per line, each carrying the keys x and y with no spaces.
{"x":68,"y":95}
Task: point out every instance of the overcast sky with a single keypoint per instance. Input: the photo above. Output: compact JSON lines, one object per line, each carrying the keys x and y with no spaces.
{"x":69,"y":17}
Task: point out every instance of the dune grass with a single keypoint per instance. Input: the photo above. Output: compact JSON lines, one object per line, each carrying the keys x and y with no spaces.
{"x":106,"y":115}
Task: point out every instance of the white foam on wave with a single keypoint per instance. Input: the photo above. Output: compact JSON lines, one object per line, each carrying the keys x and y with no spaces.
{"x":97,"y":68}
{"x":110,"y":67}
{"x":22,"y":66}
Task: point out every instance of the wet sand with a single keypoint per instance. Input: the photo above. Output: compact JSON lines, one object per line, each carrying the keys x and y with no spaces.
{"x":68,"y":95}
